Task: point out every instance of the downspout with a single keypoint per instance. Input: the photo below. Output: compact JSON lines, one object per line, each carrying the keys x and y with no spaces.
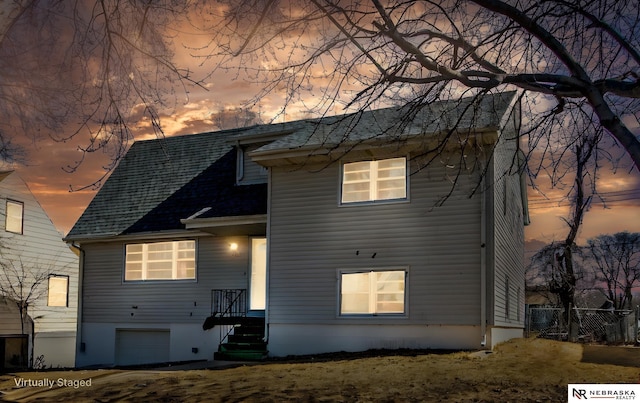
{"x":33,"y":342}
{"x":79,"y":343}
{"x":268,"y":235}
{"x":483,"y":263}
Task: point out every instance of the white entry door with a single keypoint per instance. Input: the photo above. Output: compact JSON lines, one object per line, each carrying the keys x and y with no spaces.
{"x":258,"y":285}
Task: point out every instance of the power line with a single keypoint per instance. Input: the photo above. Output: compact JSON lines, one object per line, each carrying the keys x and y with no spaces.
{"x":600,"y":198}
{"x":630,"y":192}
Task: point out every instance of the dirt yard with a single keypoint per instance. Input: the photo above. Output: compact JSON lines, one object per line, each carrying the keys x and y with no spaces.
{"x":532,"y":370}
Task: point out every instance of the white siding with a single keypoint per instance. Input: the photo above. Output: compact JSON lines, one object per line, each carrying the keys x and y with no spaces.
{"x":312,"y":237}
{"x":56,"y":348}
{"x":39,"y":249}
{"x":10,"y":319}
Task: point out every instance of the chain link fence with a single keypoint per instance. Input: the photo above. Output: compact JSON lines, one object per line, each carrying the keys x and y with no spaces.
{"x":584,"y":325}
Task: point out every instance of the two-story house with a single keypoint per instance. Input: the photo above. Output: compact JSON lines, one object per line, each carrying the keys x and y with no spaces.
{"x":332,"y":234}
{"x":39,"y":271}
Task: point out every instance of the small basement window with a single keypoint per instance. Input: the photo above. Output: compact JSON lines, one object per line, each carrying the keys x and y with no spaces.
{"x":373,"y":292}
{"x":174,"y":260}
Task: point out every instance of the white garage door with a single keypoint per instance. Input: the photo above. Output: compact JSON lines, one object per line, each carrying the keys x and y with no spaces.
{"x":137,"y":346}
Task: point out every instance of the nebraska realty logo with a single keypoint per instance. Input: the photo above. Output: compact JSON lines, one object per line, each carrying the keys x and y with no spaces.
{"x":603,"y":393}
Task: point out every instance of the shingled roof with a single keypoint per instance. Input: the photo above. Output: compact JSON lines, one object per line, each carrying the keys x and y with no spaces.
{"x":149,"y":174}
{"x":480,"y":113}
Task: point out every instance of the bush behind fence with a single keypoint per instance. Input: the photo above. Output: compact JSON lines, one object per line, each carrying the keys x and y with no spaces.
{"x":584,"y":325}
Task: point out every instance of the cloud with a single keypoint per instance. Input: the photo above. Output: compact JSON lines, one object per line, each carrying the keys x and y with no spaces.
{"x":224,"y":89}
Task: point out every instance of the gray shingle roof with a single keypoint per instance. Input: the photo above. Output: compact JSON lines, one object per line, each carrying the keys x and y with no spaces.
{"x":483,"y":113}
{"x":148,"y":174}
{"x":213,"y":189}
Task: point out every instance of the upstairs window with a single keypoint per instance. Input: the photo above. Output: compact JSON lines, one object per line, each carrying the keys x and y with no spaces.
{"x":14,"y":215}
{"x":372,"y":293}
{"x":175,"y":260}
{"x":368,"y":181}
{"x":58,"y":294}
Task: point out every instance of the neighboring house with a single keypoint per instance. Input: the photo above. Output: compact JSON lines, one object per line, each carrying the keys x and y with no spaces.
{"x":540,"y":296}
{"x":32,"y":253}
{"x":316,"y":235}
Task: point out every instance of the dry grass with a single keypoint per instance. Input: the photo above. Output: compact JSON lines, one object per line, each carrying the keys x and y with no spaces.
{"x":521,"y":370}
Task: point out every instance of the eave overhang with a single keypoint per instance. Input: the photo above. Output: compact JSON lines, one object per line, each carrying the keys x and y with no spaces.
{"x":234,"y":225}
{"x":377,"y":147}
{"x":138,"y":236}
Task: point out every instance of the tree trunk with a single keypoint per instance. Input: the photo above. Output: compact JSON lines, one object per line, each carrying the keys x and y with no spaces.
{"x":566,"y":292}
{"x":628,"y":297}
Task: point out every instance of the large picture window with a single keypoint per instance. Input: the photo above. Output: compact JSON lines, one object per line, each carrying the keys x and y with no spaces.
{"x":14,"y":213}
{"x":372,"y":292}
{"x":175,"y":260}
{"x":367,"y":181}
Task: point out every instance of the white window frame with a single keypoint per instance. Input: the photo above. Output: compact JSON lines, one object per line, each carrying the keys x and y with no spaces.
{"x":145,"y":261}
{"x":13,"y":222}
{"x":373,"y":181}
{"x":58,"y":289}
{"x":373,"y":300}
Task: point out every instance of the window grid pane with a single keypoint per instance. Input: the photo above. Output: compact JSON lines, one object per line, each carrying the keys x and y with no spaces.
{"x":390,"y":292}
{"x":374,"y":180}
{"x":160,"y":261}
{"x":373,"y":292}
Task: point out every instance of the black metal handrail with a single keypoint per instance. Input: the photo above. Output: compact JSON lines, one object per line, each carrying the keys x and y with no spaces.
{"x":229,"y":303}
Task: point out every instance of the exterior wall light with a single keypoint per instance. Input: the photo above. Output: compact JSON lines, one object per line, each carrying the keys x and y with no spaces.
{"x":233,"y":247}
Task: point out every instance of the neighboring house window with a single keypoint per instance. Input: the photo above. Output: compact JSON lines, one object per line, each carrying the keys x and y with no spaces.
{"x":14,"y":217}
{"x":175,"y":260}
{"x":367,"y":181}
{"x":58,"y":294}
{"x":372,"y":292}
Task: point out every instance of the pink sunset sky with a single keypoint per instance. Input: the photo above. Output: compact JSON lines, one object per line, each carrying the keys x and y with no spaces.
{"x":43,"y":170}
{"x":51,"y":184}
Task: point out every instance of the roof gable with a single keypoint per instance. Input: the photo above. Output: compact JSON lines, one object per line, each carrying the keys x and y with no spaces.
{"x":214,"y":190}
{"x":148,"y":174}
